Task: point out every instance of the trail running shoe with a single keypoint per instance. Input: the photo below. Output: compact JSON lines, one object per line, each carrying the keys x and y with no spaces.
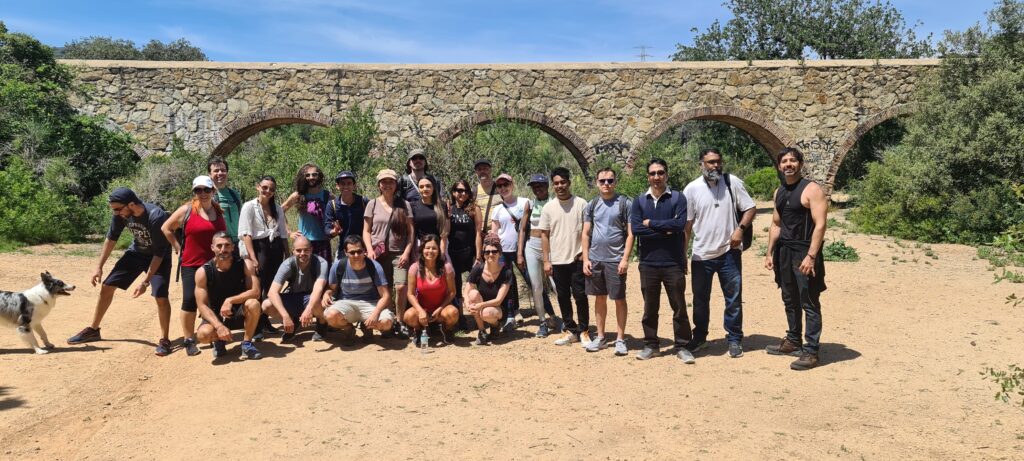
{"x":250,"y":352}
{"x":220,"y":349}
{"x":87,"y":335}
{"x":190,"y":347}
{"x":163,"y":347}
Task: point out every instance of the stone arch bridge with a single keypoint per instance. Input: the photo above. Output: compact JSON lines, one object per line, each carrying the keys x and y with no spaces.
{"x":594,"y":109}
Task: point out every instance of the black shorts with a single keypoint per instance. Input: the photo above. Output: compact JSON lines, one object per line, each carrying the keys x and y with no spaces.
{"x":188,"y":289}
{"x":295,"y":304}
{"x":131,"y":265}
{"x":235,"y":322}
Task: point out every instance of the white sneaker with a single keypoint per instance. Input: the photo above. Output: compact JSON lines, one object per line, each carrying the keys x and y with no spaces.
{"x":686,"y":356}
{"x":597,"y":344}
{"x":585,"y":339}
{"x":566,"y":340}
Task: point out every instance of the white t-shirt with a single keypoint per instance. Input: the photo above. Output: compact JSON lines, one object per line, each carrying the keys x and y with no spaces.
{"x":564,"y":221}
{"x":507,"y":229}
{"x":712,"y":213}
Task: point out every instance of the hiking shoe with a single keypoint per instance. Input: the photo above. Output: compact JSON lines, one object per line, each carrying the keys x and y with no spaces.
{"x":481,"y":338}
{"x":190,"y":346}
{"x":785,"y":347}
{"x":584,"y":338}
{"x":542,"y":330}
{"x":695,"y":345}
{"x":567,"y":339}
{"x":250,"y":352}
{"x":87,"y":335}
{"x":686,"y":356}
{"x":220,"y":348}
{"x":163,"y":347}
{"x":510,"y":325}
{"x":648,"y":353}
{"x":806,"y":361}
{"x":597,"y":344}
{"x":735,"y":349}
{"x":319,"y":332}
{"x":620,"y":347}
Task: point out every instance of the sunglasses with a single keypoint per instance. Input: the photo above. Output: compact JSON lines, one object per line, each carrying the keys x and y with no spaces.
{"x":419,"y":157}
{"x":491,"y":252}
{"x":268,"y":189}
{"x":312,"y":175}
{"x":606,"y":181}
{"x":355,"y":252}
{"x":202,"y":190}
{"x":656,"y":173}
{"x":459,"y":191}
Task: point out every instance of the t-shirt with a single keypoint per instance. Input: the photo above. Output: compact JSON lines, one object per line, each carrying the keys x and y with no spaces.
{"x":311,"y":217}
{"x":713,"y":214}
{"x":409,"y":188}
{"x":299,"y":281}
{"x":359,"y":285}
{"x":481,"y":202}
{"x":431,"y":294}
{"x":564,"y":220}
{"x":231,"y":203}
{"x":147,"y":238}
{"x":608,"y":226}
{"x":380,"y":215}
{"x":462,"y":236}
{"x":489,"y":290}
{"x":507,"y":229}
{"x":424,"y":220}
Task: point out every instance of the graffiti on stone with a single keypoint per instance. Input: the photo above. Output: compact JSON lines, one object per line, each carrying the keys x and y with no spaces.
{"x":617,"y":151}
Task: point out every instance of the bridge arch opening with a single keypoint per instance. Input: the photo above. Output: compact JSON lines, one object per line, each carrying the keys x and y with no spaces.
{"x":866,"y":144}
{"x":242,"y":128}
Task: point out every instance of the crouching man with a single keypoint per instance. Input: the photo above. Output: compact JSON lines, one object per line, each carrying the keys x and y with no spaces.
{"x":357,"y":291}
{"x":305,"y":276}
{"x":227,"y":295}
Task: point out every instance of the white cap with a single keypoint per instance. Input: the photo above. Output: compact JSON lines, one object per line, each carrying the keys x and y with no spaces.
{"x":202,"y":181}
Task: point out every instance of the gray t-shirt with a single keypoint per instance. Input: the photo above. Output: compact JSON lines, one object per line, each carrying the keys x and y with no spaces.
{"x":148,"y":239}
{"x":608,"y":220}
{"x":297,"y":280}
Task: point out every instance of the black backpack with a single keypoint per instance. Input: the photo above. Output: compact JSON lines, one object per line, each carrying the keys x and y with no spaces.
{"x":748,"y":233}
{"x":622,"y":220}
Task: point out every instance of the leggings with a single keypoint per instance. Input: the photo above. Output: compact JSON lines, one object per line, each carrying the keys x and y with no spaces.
{"x":269,"y":255}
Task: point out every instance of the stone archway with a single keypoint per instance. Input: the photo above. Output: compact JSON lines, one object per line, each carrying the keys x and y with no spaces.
{"x":236,"y":132}
{"x":862,"y":129}
{"x":572,"y":141}
{"x":765,"y":132}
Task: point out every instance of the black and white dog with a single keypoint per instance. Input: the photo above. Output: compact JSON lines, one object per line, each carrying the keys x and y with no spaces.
{"x":26,"y":310}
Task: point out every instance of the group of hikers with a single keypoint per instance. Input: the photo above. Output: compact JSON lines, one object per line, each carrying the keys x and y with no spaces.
{"x":422,"y":262}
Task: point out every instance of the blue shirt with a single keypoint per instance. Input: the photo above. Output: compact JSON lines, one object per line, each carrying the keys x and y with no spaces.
{"x":661,"y":241}
{"x":311,"y":218}
{"x":359,"y":285}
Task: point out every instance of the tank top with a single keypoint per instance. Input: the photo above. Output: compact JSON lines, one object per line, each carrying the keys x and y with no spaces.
{"x":795,"y":218}
{"x":223,"y":285}
{"x":424,"y":220}
{"x":462,"y":236}
{"x":198,"y":238}
{"x":431,"y":294}
{"x":311,"y":218}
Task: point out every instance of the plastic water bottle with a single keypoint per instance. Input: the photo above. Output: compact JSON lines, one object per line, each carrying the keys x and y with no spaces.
{"x":424,"y":342}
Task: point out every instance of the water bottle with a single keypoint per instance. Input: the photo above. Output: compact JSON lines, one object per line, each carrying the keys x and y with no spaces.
{"x":424,"y":342}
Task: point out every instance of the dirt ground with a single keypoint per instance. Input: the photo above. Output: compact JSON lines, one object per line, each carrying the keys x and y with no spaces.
{"x":905,"y":339}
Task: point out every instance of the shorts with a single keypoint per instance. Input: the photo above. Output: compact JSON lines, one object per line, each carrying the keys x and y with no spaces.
{"x":606,"y":281}
{"x":295,"y":304}
{"x":395,"y":275}
{"x":188,"y":289}
{"x":131,"y":265}
{"x":235,"y":322}
{"x":356,"y":311}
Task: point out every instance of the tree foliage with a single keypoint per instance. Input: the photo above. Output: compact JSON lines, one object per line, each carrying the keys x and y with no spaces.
{"x":121,"y":49}
{"x":802,"y":29}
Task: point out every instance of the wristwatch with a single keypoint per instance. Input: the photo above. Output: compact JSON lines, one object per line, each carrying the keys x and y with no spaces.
{"x":744,"y":226}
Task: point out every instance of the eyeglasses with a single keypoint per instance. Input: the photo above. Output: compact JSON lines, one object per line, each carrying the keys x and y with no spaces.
{"x":656,"y":173}
{"x":202,"y":190}
{"x":491,"y":252}
{"x":355,"y":252}
{"x":459,"y":191}
{"x":606,"y":181}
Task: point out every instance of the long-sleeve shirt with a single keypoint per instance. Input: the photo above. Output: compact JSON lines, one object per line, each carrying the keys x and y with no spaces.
{"x":661,"y":240}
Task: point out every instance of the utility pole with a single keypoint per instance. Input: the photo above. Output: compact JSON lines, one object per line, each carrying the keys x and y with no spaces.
{"x":643,"y":52}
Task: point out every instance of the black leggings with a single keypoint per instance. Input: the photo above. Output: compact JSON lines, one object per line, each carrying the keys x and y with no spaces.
{"x":269,"y":255}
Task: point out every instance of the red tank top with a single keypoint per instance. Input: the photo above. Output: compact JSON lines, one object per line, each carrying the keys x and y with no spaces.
{"x":431,"y":294}
{"x":198,"y":238}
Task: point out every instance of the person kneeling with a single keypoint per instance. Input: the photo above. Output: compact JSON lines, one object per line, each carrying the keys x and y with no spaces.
{"x":431,"y":292}
{"x":229,"y":283}
{"x":358,"y":292}
{"x":486,"y":289}
{"x":305,"y":275}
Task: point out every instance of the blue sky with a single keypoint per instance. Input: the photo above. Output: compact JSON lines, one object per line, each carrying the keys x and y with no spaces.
{"x":411,"y":31}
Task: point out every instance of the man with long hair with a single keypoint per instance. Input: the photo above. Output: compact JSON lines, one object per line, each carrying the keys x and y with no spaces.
{"x":311,"y":199}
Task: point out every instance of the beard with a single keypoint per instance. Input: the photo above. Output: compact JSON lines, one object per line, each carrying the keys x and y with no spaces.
{"x":713,"y":174}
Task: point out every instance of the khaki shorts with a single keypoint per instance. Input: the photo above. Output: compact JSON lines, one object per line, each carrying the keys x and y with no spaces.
{"x":356,"y":311}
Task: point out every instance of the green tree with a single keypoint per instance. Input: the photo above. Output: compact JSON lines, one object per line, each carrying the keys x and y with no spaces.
{"x":121,"y":49}
{"x":178,"y":50}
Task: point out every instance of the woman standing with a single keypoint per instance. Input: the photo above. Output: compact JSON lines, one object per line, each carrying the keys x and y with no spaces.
{"x":431,"y":292}
{"x":262,"y":232}
{"x":465,"y":237}
{"x":388,"y":236}
{"x":507,"y":222}
{"x":428,"y":214}
{"x":199,"y":220}
{"x":487,"y":288}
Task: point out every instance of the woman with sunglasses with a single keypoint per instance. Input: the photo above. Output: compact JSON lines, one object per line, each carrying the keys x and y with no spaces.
{"x":388,"y":236}
{"x":507,"y":221}
{"x":262,"y":232}
{"x":431,"y":292}
{"x":487,"y":288}
{"x":465,"y":236}
{"x":199,"y":220}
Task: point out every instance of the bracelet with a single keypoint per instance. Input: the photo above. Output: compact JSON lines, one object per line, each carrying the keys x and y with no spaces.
{"x":811,"y":256}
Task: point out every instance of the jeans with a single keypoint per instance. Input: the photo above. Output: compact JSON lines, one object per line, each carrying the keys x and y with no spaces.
{"x":729,"y":268}
{"x":571,"y":284}
{"x":651,"y":280}
{"x":535,"y":277}
{"x":803,"y":301}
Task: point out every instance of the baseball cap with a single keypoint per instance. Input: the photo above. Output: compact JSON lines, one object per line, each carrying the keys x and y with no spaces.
{"x":387,"y":173}
{"x":482,"y":161}
{"x":505,"y":176}
{"x":345,"y":174}
{"x":416,"y":152}
{"x":202,"y":181}
{"x":538,"y":178}
{"x":123,"y":195}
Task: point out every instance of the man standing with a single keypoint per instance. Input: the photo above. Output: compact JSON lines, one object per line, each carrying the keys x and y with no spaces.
{"x":227,"y":295}
{"x":344,"y":216}
{"x":305,"y":276}
{"x":487,"y":197}
{"x":794,"y":253}
{"x":607,"y":244}
{"x":311,"y":199}
{"x":561,"y":226}
{"x":713,"y":202}
{"x":416,"y":168}
{"x":226,"y":197}
{"x":358,"y":292}
{"x":658,"y":220}
{"x":149,"y":253}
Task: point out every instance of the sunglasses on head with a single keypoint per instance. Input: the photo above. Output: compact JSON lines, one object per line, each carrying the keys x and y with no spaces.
{"x":504,"y":184}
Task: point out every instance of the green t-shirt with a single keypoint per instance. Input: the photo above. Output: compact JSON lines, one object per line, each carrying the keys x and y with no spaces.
{"x":231,"y":203}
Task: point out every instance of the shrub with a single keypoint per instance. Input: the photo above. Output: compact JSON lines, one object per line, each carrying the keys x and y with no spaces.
{"x":839,"y":251}
{"x":32,"y":213}
{"x":762,"y":183}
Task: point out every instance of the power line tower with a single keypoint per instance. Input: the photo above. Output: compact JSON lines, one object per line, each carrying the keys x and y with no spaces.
{"x":643,"y":52}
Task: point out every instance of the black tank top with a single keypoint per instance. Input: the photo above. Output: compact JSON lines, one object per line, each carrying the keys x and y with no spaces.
{"x":462,"y":236}
{"x":223,"y":285}
{"x":796,"y":218}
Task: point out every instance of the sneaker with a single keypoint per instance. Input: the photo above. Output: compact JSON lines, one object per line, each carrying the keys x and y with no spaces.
{"x":686,"y":356}
{"x":542,"y":330}
{"x":597,"y":344}
{"x":509,"y":326}
{"x":735,"y":349}
{"x":190,"y":347}
{"x":557,"y":325}
{"x":696,"y":345}
{"x":446,"y":336}
{"x":319,"y":332}
{"x":259,"y":336}
{"x":786,"y":347}
{"x":220,"y":348}
{"x":367,"y":333}
{"x":250,"y":352}
{"x":163,"y":347}
{"x":87,"y":335}
{"x":806,"y":361}
{"x":285,"y":337}
{"x":585,"y":338}
{"x":567,"y":339}
{"x":402,"y":332}
{"x":270,"y":329}
{"x":481,"y":338}
{"x":648,"y":353}
{"x":495,"y":331}
{"x":620,"y":347}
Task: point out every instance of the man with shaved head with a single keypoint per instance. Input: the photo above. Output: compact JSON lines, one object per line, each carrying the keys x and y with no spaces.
{"x":294,"y":295}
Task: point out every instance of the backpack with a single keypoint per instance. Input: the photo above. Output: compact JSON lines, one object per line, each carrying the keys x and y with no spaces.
{"x":748,"y":233}
{"x":179,"y":234}
{"x":622,"y":221}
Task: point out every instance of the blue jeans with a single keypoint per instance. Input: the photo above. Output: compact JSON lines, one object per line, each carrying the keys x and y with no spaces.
{"x":729,"y":268}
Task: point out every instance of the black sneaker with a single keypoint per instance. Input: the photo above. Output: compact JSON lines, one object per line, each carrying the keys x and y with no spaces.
{"x":694,"y":345}
{"x":482,"y":338}
{"x":367,"y":333}
{"x":87,"y":335}
{"x":220,"y":348}
{"x":163,"y":348}
{"x":319,"y":332}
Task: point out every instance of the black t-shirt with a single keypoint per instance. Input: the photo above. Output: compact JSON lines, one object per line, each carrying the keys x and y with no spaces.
{"x":424,"y":220}
{"x":148,"y":239}
{"x":462,"y":233}
{"x":489,"y":290}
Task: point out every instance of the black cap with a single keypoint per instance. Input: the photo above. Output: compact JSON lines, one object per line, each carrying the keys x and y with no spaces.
{"x":345,"y":174}
{"x":123,"y":195}
{"x":537,"y":179}
{"x":482,"y":161}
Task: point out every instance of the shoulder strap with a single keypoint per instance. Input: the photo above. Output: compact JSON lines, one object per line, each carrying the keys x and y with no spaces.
{"x":234,"y":197}
{"x":623,"y":211}
{"x":732,"y":199}
{"x":509,"y":211}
